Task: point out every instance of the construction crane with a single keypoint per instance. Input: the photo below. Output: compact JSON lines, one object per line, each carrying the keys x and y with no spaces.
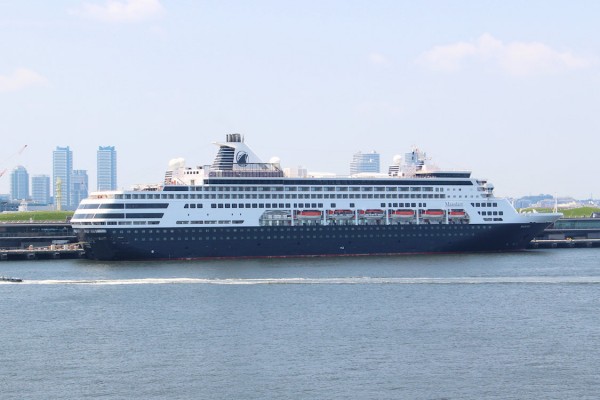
{"x":18,"y":153}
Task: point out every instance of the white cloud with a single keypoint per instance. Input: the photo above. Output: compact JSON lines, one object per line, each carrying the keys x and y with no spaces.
{"x":21,"y":78}
{"x":378,"y":59}
{"x":448,"y":58}
{"x":121,"y":10}
{"x":516,"y":58}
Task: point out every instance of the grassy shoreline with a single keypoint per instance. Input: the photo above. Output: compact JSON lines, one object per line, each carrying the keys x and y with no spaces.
{"x":581,"y":212}
{"x":36,"y":216}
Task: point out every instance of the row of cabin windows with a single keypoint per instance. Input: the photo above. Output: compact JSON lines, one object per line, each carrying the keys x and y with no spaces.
{"x":490,"y":212}
{"x":276,"y":189}
{"x":266,"y":205}
{"x":275,"y":237}
{"x":282,"y":196}
{"x":317,"y":189}
{"x":292,"y":229}
{"x":212,"y":222}
{"x":295,"y":189}
{"x":484,"y":204}
{"x":297,"y":205}
{"x":117,"y":215}
{"x":117,"y":223}
{"x":119,"y":206}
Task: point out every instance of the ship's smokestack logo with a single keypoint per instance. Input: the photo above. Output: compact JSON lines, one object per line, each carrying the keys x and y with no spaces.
{"x":241,"y":158}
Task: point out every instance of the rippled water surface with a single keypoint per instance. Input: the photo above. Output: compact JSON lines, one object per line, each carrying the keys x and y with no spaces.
{"x":497,"y":326}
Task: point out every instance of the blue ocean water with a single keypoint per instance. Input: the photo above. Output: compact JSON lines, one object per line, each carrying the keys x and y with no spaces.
{"x":522,"y":325}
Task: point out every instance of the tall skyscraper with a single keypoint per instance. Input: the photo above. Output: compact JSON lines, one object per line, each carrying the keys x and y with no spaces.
{"x":364,"y":162}
{"x":19,"y":183}
{"x":62,"y":169}
{"x":40,"y":189}
{"x":79,"y":186}
{"x":106,"y":168}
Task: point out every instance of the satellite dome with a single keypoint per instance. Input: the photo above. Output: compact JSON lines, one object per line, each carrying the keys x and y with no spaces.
{"x":176,"y":163}
{"x":275,"y":160}
{"x":397,"y":160}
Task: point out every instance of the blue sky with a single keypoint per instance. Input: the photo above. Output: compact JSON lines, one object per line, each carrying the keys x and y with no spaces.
{"x":509,"y":90}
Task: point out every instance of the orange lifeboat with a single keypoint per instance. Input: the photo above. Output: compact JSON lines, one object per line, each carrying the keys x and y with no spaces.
{"x":433,"y":214}
{"x":457,"y":214}
{"x":371,"y":214}
{"x":309,"y":214}
{"x":340,"y":214}
{"x":402,"y":214}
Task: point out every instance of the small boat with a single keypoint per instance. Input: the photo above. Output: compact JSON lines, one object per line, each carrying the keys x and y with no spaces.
{"x":309,"y":214}
{"x":340,"y":214}
{"x":371,"y":214}
{"x":433,"y":214}
{"x":9,"y":279}
{"x":457,"y":214}
{"x":402,"y":214}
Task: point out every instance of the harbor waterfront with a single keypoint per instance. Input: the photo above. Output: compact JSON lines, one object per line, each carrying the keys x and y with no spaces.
{"x":38,"y":241}
{"x":516,"y":325}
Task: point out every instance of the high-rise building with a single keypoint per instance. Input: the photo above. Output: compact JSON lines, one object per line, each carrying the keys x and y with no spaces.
{"x":62,"y":169}
{"x":107,"y":168}
{"x":40,"y":189}
{"x":79,"y":186}
{"x":19,"y":183}
{"x":364,"y":162}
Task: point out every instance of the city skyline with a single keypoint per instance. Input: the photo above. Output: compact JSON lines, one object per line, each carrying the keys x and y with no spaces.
{"x":19,"y":183}
{"x":40,"y":189}
{"x":79,"y":186}
{"x":74,"y":183}
{"x":365,"y":162}
{"x":476,"y":85}
{"x":112,"y":158}
{"x":106,"y":168}
{"x":62,"y":171}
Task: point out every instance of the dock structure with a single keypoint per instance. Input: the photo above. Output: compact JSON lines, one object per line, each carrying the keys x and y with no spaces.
{"x":563,"y":243}
{"x":569,"y":233}
{"x":40,"y":240}
{"x":52,"y":240}
{"x":70,"y":251}
{"x":22,"y":235}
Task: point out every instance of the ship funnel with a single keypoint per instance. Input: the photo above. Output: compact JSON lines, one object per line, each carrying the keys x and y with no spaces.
{"x":233,"y":138}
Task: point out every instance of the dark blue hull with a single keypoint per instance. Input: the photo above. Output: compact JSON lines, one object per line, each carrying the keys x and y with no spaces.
{"x":299,"y":241}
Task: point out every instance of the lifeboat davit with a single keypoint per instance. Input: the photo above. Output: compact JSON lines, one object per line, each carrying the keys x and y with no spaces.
{"x":402,"y":214}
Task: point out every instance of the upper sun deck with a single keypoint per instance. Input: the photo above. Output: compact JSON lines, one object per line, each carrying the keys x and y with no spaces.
{"x":236,"y":167}
{"x":313,"y":188}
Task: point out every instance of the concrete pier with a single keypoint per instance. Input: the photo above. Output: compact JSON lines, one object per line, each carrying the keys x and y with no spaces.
{"x":563,"y":243}
{"x":43,"y":253}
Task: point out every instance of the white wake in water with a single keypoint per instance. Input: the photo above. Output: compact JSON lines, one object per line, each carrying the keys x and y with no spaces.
{"x":324,"y":281}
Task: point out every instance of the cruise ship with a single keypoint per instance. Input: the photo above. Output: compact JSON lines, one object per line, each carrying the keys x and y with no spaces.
{"x":240,"y":206}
